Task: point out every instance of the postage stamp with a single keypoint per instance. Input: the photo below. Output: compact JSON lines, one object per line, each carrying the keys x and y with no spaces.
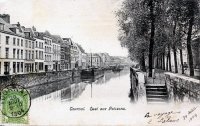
{"x":15,"y":104}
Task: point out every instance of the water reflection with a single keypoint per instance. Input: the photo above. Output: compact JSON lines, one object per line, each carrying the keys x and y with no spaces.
{"x":69,"y":92}
{"x":72,"y":92}
{"x":40,"y":90}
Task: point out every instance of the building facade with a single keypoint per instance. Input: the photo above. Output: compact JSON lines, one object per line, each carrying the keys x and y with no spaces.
{"x":94,"y":60}
{"x":39,"y":52}
{"x":11,"y":48}
{"x":29,"y":51}
{"x":56,"y":42}
{"x":74,"y":54}
{"x":65,"y":54}
{"x":48,"y":53}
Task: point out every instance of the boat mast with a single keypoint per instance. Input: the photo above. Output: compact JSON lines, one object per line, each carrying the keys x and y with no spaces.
{"x":91,"y":59}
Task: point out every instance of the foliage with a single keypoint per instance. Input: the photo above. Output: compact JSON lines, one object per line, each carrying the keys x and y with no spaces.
{"x":172,"y":21}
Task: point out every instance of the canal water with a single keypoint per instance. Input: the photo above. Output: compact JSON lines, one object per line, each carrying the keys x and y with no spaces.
{"x":103,"y":101}
{"x":80,"y":103}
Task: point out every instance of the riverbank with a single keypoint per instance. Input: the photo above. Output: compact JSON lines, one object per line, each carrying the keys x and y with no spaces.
{"x":42,"y":83}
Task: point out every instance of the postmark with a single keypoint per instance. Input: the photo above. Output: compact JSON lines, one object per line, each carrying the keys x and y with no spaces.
{"x":15,"y":104}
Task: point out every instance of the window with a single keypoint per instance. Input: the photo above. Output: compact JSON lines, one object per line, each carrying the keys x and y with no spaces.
{"x":1,"y":26}
{"x":40,"y":66}
{"x":14,"y":50}
{"x":14,"y":41}
{"x":22,"y":43}
{"x":22,"y":66}
{"x":26,"y":44}
{"x":29,"y":44}
{"x":17,"y":67}
{"x":36,"y":44}
{"x":32,"y":45}
{"x":18,"y":54}
{"x":32,"y":54}
{"x":6,"y":67}
{"x":7,"y":40}
{"x":26,"y":54}
{"x":7,"y":52}
{"x":29,"y":55}
{"x":21,"y":54}
{"x":14,"y":67}
{"x":17,"y":42}
{"x":36,"y":55}
{"x":42,"y":55}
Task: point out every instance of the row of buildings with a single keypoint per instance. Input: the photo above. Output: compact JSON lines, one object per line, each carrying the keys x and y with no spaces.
{"x":26,"y":50}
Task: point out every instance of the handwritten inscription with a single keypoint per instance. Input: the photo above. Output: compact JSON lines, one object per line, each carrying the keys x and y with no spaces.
{"x":191,"y":114}
{"x":171,"y":116}
{"x":163,"y":117}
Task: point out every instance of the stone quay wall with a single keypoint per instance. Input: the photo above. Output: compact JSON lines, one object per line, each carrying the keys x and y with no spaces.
{"x":182,"y":88}
{"x":41,"y":83}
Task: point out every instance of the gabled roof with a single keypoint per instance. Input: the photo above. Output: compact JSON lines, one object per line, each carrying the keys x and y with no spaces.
{"x":11,"y":28}
{"x":6,"y":26}
{"x":44,"y":34}
{"x":57,"y":39}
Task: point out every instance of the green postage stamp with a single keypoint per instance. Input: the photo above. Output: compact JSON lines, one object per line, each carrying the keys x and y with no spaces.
{"x":15,"y":104}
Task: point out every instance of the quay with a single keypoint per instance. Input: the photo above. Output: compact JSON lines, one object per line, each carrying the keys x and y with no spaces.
{"x":164,"y":87}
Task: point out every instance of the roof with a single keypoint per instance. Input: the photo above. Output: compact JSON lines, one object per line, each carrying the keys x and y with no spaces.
{"x":11,"y":28}
{"x":6,"y":26}
{"x":43,"y":34}
{"x":80,"y":48}
{"x":57,"y":39}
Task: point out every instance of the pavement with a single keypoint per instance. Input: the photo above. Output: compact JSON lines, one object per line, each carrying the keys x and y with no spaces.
{"x":158,"y":78}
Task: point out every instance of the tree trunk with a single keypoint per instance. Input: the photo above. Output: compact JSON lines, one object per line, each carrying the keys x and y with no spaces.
{"x":167,"y":67}
{"x":161,"y":65}
{"x":163,"y":61}
{"x":151,"y":38}
{"x":174,"y":48}
{"x":189,"y":48}
{"x":157,"y":64}
{"x":181,"y":58}
{"x":175,"y":60}
{"x":143,"y":62}
{"x":169,"y":56}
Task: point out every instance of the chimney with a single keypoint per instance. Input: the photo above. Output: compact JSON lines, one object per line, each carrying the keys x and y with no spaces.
{"x":34,"y":29}
{"x":5,"y":17}
{"x":18,"y":24}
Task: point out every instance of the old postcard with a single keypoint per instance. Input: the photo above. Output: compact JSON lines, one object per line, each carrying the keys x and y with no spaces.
{"x":100,"y":62}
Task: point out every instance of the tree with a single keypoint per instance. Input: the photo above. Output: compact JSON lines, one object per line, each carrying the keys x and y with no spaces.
{"x":137,"y":21}
{"x":152,"y":18}
{"x":134,"y":27}
{"x":192,"y":11}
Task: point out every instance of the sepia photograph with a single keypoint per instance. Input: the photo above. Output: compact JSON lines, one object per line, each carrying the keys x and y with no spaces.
{"x":100,"y":62}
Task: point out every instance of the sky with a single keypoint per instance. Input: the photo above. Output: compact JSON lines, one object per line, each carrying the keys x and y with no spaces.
{"x":91,"y":23}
